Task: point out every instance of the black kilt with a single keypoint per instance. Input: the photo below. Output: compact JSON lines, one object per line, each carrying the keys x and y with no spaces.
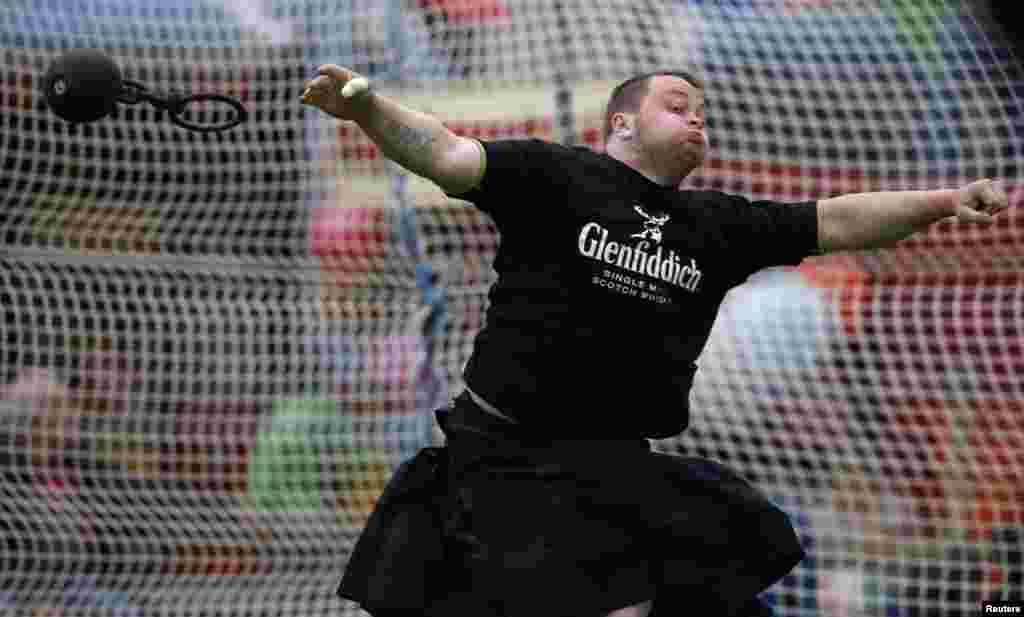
{"x":500,"y":523}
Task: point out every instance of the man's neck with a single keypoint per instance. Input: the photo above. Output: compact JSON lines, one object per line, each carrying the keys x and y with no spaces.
{"x":633,"y":159}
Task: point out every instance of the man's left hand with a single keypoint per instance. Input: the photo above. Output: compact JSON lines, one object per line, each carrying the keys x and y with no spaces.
{"x":979,"y":202}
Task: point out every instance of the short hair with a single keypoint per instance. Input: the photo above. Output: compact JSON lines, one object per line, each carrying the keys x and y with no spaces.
{"x":627,"y":96}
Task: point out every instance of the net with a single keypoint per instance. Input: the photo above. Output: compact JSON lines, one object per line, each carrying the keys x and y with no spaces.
{"x":218,"y":347}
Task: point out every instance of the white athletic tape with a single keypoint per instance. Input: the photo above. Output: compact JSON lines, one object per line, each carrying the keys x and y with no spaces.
{"x":355,"y":87}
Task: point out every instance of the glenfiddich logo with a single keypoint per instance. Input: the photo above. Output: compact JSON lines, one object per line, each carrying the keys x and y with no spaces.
{"x":652,"y":225}
{"x":664,"y":265}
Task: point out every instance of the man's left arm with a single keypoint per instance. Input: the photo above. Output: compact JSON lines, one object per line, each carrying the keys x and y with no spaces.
{"x":861,"y":221}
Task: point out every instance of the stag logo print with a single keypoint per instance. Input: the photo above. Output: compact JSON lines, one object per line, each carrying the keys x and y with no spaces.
{"x":652,"y":225}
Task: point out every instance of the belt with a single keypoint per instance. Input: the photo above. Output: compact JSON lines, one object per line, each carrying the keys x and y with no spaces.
{"x":491,"y":409}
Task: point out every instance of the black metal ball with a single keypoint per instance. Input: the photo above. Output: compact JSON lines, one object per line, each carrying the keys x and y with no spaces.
{"x":83,"y":85}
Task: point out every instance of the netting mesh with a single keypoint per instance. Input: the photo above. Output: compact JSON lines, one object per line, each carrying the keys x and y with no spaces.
{"x":217,"y":348}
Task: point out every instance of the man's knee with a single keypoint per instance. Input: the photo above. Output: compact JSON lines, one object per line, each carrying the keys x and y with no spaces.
{"x":637,"y":610}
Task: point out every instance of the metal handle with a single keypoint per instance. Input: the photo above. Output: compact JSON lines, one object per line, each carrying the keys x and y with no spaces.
{"x":176,"y":104}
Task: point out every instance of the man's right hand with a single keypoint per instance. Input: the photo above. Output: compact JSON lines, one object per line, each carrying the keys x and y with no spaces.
{"x":327,"y":91}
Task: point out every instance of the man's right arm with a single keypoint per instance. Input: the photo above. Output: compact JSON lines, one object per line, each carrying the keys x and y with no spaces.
{"x":417,"y":141}
{"x":420,"y":143}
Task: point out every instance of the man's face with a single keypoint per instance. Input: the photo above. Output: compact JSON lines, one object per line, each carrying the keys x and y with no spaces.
{"x":670,"y":124}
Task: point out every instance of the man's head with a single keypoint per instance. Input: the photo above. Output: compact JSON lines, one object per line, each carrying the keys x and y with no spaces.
{"x":655,"y":123}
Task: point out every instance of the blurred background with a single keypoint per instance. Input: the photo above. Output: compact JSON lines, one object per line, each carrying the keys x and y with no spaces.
{"x":217,"y":348}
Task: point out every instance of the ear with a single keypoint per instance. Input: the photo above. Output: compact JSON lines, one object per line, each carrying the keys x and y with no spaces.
{"x":622,"y":125}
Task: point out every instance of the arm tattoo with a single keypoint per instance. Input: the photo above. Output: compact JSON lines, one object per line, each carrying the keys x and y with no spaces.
{"x":408,"y":146}
{"x":412,"y":138}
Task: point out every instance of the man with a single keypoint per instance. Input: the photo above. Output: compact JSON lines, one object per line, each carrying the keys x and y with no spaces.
{"x":609,"y":279}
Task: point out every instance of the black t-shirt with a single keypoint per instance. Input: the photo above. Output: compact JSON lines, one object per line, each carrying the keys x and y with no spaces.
{"x":608,"y":286}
